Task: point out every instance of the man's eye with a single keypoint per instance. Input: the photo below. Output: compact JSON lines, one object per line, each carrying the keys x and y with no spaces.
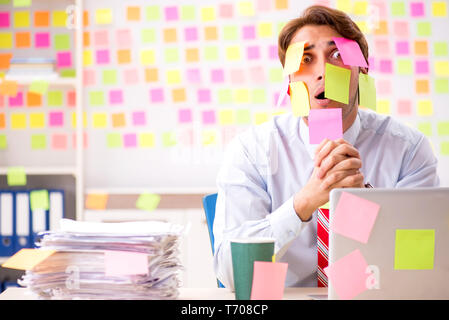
{"x":306,"y":59}
{"x":336,"y":55}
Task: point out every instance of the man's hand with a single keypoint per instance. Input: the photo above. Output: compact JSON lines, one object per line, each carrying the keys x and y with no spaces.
{"x":337,"y":165}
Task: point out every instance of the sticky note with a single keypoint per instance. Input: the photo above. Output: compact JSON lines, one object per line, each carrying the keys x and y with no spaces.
{"x":39,"y":200}
{"x":96,"y":98}
{"x":148,"y":201}
{"x":354,"y":217}
{"x":147,"y":57}
{"x":444,"y":148}
{"x":207,"y":14}
{"x":21,"y":19}
{"x":103,"y":16}
{"x":414,"y":249}
{"x":440,"y":48}
{"x":21,"y":3}
{"x":5,"y":40}
{"x":299,"y":97}
{"x":125,"y":263}
{"x":56,"y":119}
{"x":38,"y":141}
{"x":232,"y":53}
{"x":293,"y":57}
{"x":38,"y":86}
{"x":99,"y":120}
{"x":441,"y":68}
{"x":402,"y":47}
{"x":348,"y":275}
{"x":133,"y":13}
{"x":116,"y":96}
{"x":423,"y":29}
{"x":102,"y":56}
{"x":441,"y":85}
{"x":325,"y":123}
{"x":8,"y":88}
{"x":265,"y":30}
{"x":439,"y":9}
{"x":54,"y":98}
{"x":42,"y":39}
{"x":268,"y":280}
{"x":96,"y":201}
{"x":367,"y":91}
{"x":27,"y":259}
{"x":64,"y":59}
{"x":59,"y":18}
{"x":171,"y":13}
{"x":16,"y":101}
{"x":139,"y":118}
{"x":129,"y":140}
{"x":157,"y":95}
{"x":425,"y":108}
{"x":336,"y":83}
{"x":114,"y":140}
{"x":37,"y":120}
{"x":417,"y":9}
{"x":59,"y":141}
{"x":208,"y":117}
{"x":62,"y":41}
{"x":124,"y":39}
{"x":350,"y":52}
{"x":41,"y":18}
{"x":16,"y":176}
{"x":23,"y":39}
{"x":185,"y":115}
{"x":168,"y":139}
{"x":18,"y":121}
{"x":204,"y":95}
{"x":5,"y":59}
{"x":146,"y":140}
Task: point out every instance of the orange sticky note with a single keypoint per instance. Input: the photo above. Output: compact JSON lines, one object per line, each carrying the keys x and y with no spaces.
{"x":5,"y":58}
{"x":27,"y":259}
{"x":96,"y":201}
{"x":268,"y":280}
{"x":8,"y":88}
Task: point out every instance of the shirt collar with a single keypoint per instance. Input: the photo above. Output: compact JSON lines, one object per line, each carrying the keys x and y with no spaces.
{"x":349,"y":135}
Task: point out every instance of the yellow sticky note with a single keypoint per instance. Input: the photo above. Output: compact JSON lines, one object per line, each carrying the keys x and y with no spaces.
{"x":226,"y":117}
{"x":367,"y":91}
{"x":245,"y":8}
{"x":265,"y":29}
{"x":173,"y":77}
{"x":99,"y":120}
{"x":16,"y":176}
{"x":299,"y":97}
{"x":325,"y":206}
{"x":18,"y":121}
{"x":344,"y":5}
{"x":425,"y":108}
{"x":439,"y":9}
{"x":383,"y":107}
{"x":261,"y":117}
{"x":87,"y":57}
{"x":293,"y":57}
{"x":146,"y":140}
{"x":5,"y":40}
{"x":103,"y":16}
{"x":414,"y":249}
{"x":208,"y":14}
{"x":241,"y":96}
{"x":96,"y":201}
{"x":37,"y":120}
{"x":59,"y":18}
{"x":441,"y":68}
{"x":27,"y":259}
{"x":360,"y":8}
{"x":21,"y":19}
{"x":148,"y":201}
{"x":233,"y":53}
{"x":209,"y":138}
{"x":147,"y":57}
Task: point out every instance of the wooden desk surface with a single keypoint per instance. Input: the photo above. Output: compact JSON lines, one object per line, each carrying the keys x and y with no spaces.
{"x":186,"y":294}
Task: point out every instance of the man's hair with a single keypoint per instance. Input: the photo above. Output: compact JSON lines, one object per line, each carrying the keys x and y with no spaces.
{"x":320,"y":15}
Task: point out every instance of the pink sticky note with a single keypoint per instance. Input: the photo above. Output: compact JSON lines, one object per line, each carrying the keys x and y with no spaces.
{"x":273,"y":52}
{"x":171,"y":13}
{"x":249,"y":32}
{"x":123,"y":38}
{"x":102,"y":56}
{"x":208,"y":117}
{"x":139,"y":118}
{"x":4,"y":19}
{"x":186,"y":137}
{"x":204,"y":95}
{"x":88,"y":77}
{"x":383,"y":86}
{"x":348,"y":275}
{"x":350,"y":52}
{"x":123,"y":263}
{"x":101,"y":38}
{"x":157,"y":95}
{"x":382,"y":47}
{"x":193,"y":75}
{"x":257,"y":74}
{"x":237,"y":76}
{"x":253,"y":52}
{"x":64,"y":59}
{"x":225,"y":10}
{"x":16,"y":101}
{"x":217,"y":75}
{"x":404,"y":107}
{"x":191,"y":34}
{"x":264,"y":5}
{"x":372,"y":64}
{"x":131,"y":76}
{"x":130,"y":140}
{"x":325,"y":123}
{"x":402,"y":47}
{"x":115,"y":96}
{"x":401,"y":28}
{"x":354,"y":217}
{"x":185,"y":115}
{"x":417,"y":9}
{"x":422,"y":66}
{"x":385,"y":66}
{"x":42,"y":40}
{"x":56,"y":119}
{"x":71,"y":98}
{"x":268,"y":280}
{"x":59,"y":141}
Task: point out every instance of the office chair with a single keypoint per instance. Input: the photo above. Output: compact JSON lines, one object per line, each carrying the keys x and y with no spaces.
{"x":209,"y":202}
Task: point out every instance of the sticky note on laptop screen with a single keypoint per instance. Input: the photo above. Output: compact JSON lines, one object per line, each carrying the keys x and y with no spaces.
{"x":350,"y":52}
{"x":414,"y":249}
{"x":325,"y":123}
{"x":336,"y":83}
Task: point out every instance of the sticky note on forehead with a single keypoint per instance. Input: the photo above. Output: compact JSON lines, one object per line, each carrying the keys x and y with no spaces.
{"x":293,"y":57}
{"x":350,"y":52}
{"x":336,"y":83}
{"x":325,"y":123}
{"x":299,"y":96}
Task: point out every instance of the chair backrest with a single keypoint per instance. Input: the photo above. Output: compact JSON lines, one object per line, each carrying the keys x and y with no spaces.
{"x":209,"y":202}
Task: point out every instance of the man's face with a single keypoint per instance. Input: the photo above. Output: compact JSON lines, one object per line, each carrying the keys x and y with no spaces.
{"x":319,"y":50}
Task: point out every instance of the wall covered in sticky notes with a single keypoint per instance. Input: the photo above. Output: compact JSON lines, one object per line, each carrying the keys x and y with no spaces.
{"x":167,"y":85}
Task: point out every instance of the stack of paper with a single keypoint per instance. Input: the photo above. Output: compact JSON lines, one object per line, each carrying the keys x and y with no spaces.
{"x":123,"y":260}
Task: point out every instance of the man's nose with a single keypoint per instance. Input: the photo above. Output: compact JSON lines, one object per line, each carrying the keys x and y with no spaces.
{"x":320,"y":70}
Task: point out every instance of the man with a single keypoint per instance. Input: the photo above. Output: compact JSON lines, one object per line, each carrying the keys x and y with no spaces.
{"x":273,"y":180}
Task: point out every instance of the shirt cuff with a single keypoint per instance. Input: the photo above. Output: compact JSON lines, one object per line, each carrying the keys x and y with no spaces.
{"x":286,"y":224}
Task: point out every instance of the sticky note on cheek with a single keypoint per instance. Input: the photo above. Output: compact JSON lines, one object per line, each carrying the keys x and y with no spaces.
{"x":336,"y":83}
{"x":299,"y":96}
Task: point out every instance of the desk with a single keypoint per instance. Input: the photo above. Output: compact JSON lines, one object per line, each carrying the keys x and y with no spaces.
{"x":186,"y":294}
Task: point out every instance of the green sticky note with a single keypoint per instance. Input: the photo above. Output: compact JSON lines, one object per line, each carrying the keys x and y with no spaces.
{"x":39,"y":200}
{"x":424,"y":29}
{"x":443,"y":128}
{"x":109,"y":77}
{"x":444,"y":148}
{"x":336,"y":83}
{"x":367,"y":91}
{"x":414,"y":249}
{"x":440,"y":49}
{"x":148,"y":36}
{"x":38,"y":141}
{"x":5,"y":1}
{"x":259,"y":96}
{"x":168,"y":139}
{"x":275,"y":75}
{"x":243,"y":116}
{"x":441,"y":85}
{"x":171,"y":55}
{"x":54,"y":98}
{"x":224,"y":96}
{"x":67,"y":73}
{"x":96,"y":98}
{"x":153,"y":13}
{"x":211,"y":53}
{"x":16,"y":176}
{"x":62,"y":41}
{"x":325,"y":206}
{"x":148,"y":201}
{"x":404,"y":67}
{"x":21,"y":3}
{"x":39,"y":86}
{"x":425,"y":128}
{"x":114,"y":140}
{"x":398,"y":8}
{"x":3,"y":142}
{"x":188,"y":13}
{"x":230,"y":33}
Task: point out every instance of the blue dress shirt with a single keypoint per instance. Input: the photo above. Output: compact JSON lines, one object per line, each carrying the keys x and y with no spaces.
{"x":267,"y":164}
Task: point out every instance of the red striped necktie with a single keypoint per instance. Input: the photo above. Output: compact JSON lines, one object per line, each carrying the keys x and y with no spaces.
{"x":322,"y":245}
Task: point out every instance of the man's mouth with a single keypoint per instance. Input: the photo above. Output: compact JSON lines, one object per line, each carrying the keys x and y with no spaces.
{"x":320,"y":96}
{"x":321,"y":100}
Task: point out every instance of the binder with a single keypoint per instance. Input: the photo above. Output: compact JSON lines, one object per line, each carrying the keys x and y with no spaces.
{"x":22,"y":238}
{"x":6,"y":223}
{"x":56,"y":208}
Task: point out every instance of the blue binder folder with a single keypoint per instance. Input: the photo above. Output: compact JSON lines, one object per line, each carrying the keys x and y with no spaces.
{"x":22,"y":237}
{"x":7,"y":223}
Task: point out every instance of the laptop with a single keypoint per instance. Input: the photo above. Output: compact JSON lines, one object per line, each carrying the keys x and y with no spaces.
{"x":405,"y":251}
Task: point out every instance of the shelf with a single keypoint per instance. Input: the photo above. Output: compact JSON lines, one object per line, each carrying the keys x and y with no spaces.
{"x":44,"y":170}
{"x":53,"y":81}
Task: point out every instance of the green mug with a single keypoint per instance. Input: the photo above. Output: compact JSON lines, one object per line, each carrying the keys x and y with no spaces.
{"x":244,"y":252}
